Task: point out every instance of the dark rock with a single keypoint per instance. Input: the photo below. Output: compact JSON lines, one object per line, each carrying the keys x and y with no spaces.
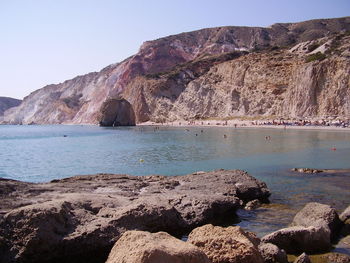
{"x":79,"y":219}
{"x":117,"y":112}
{"x":300,"y":239}
{"x":303,"y":258}
{"x":318,"y":215}
{"x":346,"y":228}
{"x":272,"y":254}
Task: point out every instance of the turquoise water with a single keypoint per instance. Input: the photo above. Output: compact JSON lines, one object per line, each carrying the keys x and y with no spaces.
{"x":42,"y":153}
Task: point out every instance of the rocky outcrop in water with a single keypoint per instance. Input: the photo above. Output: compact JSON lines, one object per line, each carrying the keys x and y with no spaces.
{"x":300,"y":239}
{"x":79,"y":219}
{"x":320,"y":216}
{"x":7,"y":103}
{"x":183,"y":76}
{"x":313,"y":230}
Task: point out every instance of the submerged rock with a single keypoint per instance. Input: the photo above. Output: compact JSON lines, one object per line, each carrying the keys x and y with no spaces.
{"x":251,"y":205}
{"x":229,"y":245}
{"x":80,"y":218}
{"x":145,"y":247}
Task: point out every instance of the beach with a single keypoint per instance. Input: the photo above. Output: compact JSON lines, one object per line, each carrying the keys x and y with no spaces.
{"x":269,"y":123}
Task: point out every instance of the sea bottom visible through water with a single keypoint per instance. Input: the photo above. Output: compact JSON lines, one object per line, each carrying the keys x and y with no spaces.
{"x":42,"y":153}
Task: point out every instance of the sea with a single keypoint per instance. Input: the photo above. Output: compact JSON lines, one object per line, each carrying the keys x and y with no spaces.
{"x":40,"y":153}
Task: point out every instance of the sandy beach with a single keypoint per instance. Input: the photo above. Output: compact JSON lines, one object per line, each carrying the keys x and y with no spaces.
{"x":268,"y":124}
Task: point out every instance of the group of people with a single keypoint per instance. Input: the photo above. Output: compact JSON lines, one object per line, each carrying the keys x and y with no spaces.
{"x":322,"y":122}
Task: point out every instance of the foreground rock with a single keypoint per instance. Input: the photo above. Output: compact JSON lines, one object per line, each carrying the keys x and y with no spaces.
{"x":145,"y":247}
{"x":345,"y":218}
{"x":300,"y":239}
{"x":229,"y":245}
{"x":313,"y":230}
{"x":319,"y":216}
{"x":303,"y":258}
{"x":79,"y":219}
{"x":345,"y":215}
{"x":272,"y":254}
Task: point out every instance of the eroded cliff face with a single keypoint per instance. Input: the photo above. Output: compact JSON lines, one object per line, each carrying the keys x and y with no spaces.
{"x":201,"y":83}
{"x":283,"y":83}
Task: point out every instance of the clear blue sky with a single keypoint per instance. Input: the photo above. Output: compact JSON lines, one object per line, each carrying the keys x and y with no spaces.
{"x":49,"y":41}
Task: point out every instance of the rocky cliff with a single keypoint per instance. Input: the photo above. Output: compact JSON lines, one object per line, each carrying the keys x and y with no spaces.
{"x":281,"y":82}
{"x":6,"y":103}
{"x":215,"y":72}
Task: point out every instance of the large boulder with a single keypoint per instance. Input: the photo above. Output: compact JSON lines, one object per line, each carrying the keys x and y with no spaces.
{"x":272,"y":254}
{"x":145,"y":247}
{"x":229,"y":245}
{"x":318,"y":215}
{"x":300,"y":239}
{"x":79,"y":219}
{"x":117,"y":112}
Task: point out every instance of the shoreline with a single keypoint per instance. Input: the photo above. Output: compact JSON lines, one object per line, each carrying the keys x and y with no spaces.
{"x":236,"y":123}
{"x":243,"y":124}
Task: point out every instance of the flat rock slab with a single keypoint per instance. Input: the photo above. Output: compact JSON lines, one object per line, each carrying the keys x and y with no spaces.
{"x":79,"y":219}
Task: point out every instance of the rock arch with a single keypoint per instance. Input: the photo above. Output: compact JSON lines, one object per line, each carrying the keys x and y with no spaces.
{"x":117,"y":112}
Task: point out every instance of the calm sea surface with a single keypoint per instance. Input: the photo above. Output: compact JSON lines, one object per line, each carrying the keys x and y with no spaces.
{"x":43,"y":153}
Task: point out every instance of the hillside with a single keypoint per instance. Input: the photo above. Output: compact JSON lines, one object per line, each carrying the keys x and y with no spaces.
{"x":6,"y":103}
{"x":215,"y":72}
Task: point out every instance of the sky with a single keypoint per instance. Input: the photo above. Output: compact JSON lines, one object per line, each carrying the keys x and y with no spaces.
{"x":48,"y":41}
